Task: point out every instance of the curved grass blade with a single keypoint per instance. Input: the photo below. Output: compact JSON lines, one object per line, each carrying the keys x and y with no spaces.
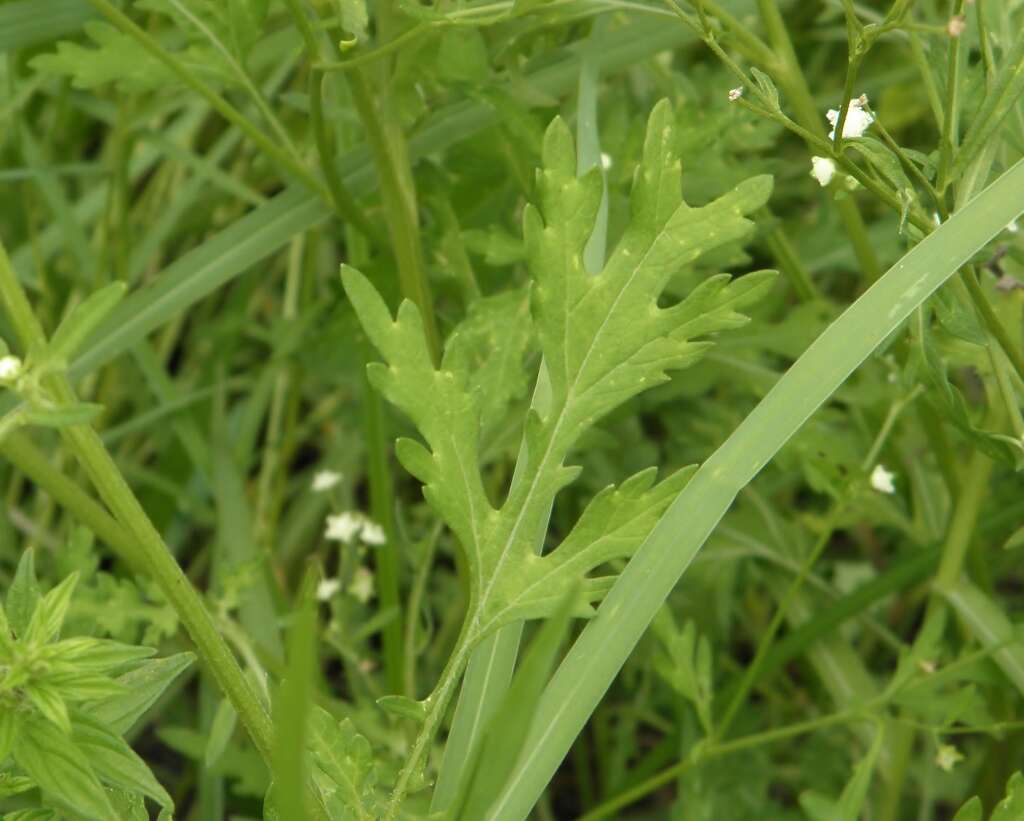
{"x":606,"y":642}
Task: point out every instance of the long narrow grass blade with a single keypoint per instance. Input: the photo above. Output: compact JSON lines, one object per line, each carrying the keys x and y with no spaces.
{"x":605,"y":644}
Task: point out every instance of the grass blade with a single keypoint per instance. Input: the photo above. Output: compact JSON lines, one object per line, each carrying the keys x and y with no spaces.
{"x":606,"y":642}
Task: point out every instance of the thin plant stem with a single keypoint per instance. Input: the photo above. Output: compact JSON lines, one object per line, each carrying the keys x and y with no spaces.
{"x":974,"y":488}
{"x":390,"y":154}
{"x":342,"y":199}
{"x":951,"y":121}
{"x":983,"y":43}
{"x":992,"y":320}
{"x":789,"y":262}
{"x":382,"y":501}
{"x":437,"y":704}
{"x":1003,"y":381}
{"x":852,"y":70}
{"x":270,"y":465}
{"x":927,"y":78}
{"x":416,"y":594}
{"x":150,"y":550}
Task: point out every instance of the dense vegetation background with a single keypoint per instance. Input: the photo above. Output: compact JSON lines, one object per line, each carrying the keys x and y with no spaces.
{"x":180,"y":181}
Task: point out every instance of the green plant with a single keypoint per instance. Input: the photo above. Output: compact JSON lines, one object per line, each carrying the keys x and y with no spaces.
{"x":642,"y":535}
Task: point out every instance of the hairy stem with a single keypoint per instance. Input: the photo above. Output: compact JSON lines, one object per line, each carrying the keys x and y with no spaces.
{"x":149,"y":548}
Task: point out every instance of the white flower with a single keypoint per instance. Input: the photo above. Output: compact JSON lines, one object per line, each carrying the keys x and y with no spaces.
{"x":325,"y":480}
{"x":343,"y":527}
{"x":857,"y":119}
{"x":956,"y":26}
{"x":327,"y":588}
{"x":1012,"y":227}
{"x":373,"y":533}
{"x":735,"y":93}
{"x":947,"y":757}
{"x":823,"y":170}
{"x":881,"y":479}
{"x":361,"y":587}
{"x":10,"y":367}
{"x":606,"y":161}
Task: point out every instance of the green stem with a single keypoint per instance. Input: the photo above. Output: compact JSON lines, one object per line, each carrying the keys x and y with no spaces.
{"x":148,"y":548}
{"x":391,"y":157}
{"x":951,"y":120}
{"x":416,"y":594}
{"x":1006,"y":392}
{"x":216,"y":101}
{"x":852,"y":69}
{"x":789,"y":262}
{"x":792,"y":79}
{"x":437,"y":705}
{"x":991,"y":319}
{"x":973,"y":490}
{"x":342,"y":199}
{"x":927,"y":77}
{"x":382,"y":505}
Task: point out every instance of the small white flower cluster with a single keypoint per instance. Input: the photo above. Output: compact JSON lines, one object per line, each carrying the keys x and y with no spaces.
{"x":361,"y":588}
{"x":735,"y":93}
{"x":10,"y":368}
{"x":857,"y":119}
{"x":344,"y":527}
{"x":324,"y":480}
{"x":881,"y":479}
{"x":823,"y":170}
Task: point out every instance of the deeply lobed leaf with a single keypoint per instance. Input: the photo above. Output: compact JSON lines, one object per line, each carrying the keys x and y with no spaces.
{"x":605,"y":338}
